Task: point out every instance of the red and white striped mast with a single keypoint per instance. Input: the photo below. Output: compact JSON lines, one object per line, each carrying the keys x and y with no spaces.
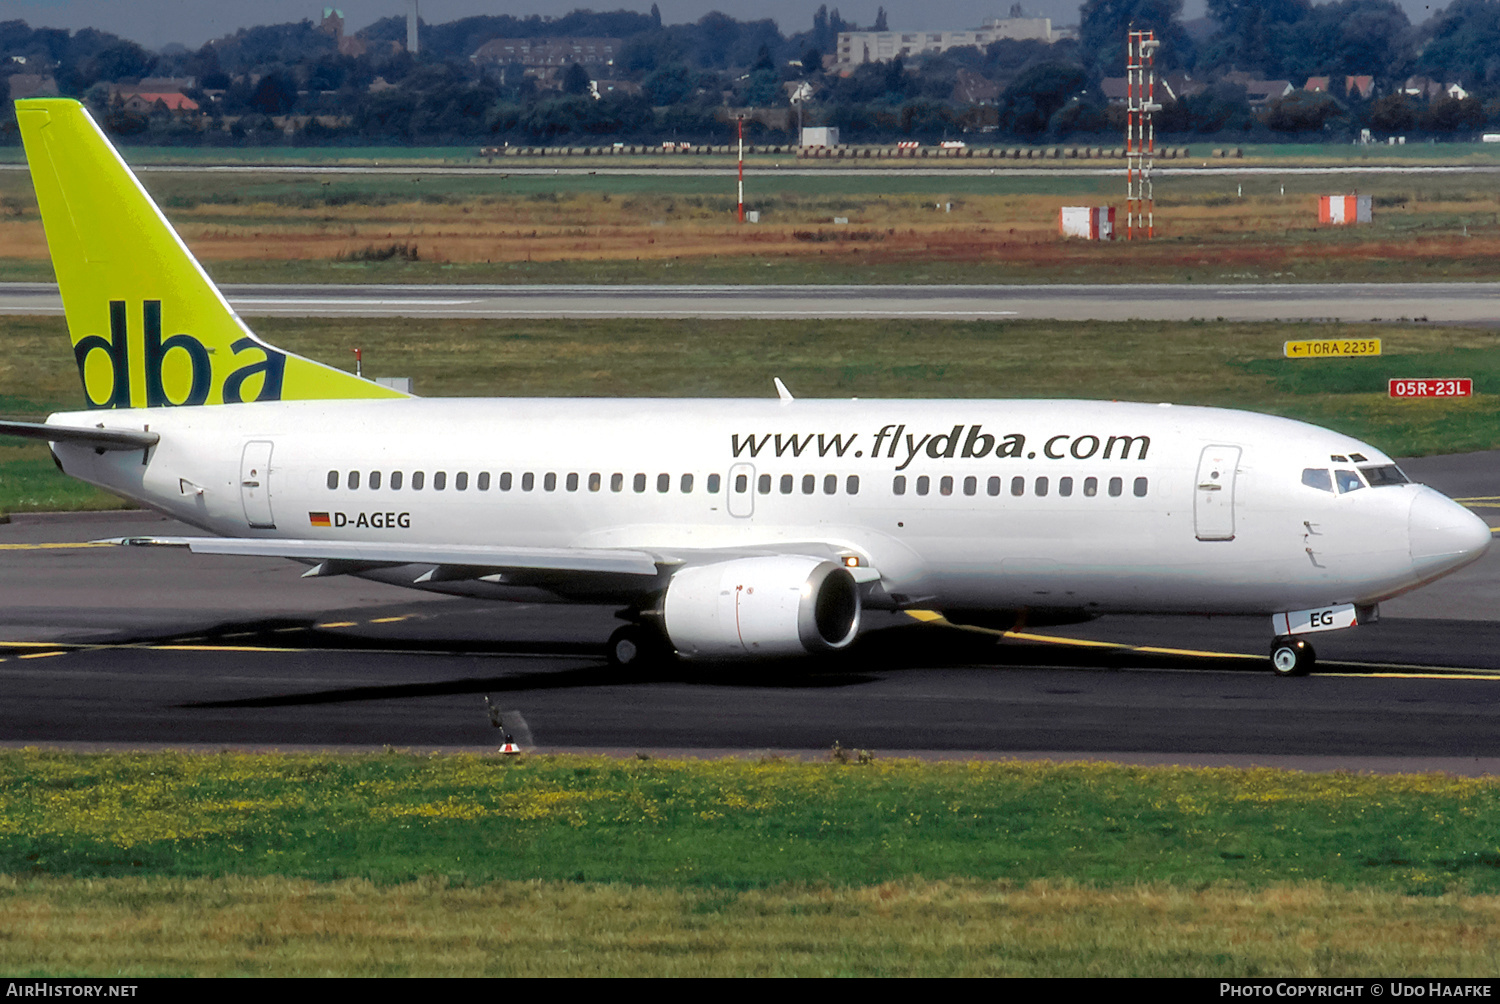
{"x":740,"y":120}
{"x":1140,"y":131}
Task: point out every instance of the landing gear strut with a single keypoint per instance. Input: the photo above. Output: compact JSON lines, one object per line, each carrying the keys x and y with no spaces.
{"x":1291,"y":656}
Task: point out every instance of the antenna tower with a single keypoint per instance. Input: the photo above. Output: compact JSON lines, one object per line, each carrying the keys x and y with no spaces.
{"x":1140,"y":132}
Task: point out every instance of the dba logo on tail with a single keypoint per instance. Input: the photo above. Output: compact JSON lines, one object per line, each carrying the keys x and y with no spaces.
{"x":177,"y":370}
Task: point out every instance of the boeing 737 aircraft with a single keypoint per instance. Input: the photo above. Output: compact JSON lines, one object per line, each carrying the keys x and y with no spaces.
{"x":725,"y":529}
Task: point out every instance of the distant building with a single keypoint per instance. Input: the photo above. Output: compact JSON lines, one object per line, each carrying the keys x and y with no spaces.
{"x":146,"y":103}
{"x":1362,"y":85}
{"x":1427,"y":89}
{"x":162,"y":85}
{"x":547,"y":53}
{"x":856,"y":47}
{"x":1259,"y":93}
{"x":333,"y":24}
{"x":1422,"y":87}
{"x":972,"y":89}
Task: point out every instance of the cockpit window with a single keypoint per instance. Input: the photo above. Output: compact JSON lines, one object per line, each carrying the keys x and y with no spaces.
{"x":1384,"y":475}
{"x":1319,"y":478}
{"x":1348,"y":481}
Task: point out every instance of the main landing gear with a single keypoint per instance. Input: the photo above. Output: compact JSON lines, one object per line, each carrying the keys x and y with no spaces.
{"x":1292,"y":656}
{"x":636,"y":646}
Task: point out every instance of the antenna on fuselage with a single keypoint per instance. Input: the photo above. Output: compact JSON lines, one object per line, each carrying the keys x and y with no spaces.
{"x":781,"y":390}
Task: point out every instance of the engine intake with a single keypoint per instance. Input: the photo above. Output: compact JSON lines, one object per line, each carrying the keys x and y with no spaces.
{"x":779,"y":605}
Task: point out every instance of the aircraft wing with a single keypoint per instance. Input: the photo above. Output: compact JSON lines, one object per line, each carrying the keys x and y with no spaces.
{"x":343,"y":556}
{"x":576,"y":571}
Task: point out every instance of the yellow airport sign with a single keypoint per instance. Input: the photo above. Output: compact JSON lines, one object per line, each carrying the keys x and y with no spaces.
{"x":1319,"y":348}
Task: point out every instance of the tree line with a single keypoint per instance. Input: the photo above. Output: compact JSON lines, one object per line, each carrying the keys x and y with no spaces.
{"x":675,"y":81}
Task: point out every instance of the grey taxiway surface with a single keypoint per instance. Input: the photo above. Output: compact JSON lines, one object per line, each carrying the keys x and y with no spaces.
{"x":127,"y":647}
{"x":1448,"y":302}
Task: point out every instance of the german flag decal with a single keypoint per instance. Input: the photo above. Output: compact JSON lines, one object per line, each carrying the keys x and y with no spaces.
{"x":319,"y":519}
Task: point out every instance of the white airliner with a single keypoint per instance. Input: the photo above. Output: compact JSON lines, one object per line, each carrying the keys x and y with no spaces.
{"x":727,"y":529}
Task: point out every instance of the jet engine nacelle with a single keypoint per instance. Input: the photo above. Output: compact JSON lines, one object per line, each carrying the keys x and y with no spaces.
{"x":778,"y":605}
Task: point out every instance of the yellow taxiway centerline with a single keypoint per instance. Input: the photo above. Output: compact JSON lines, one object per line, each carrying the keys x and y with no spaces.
{"x":1382,"y":670}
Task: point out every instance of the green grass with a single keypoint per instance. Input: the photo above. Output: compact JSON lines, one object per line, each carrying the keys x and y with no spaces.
{"x":734,"y":824}
{"x":395,"y":864}
{"x":1225,"y":365}
{"x":235,"y":926}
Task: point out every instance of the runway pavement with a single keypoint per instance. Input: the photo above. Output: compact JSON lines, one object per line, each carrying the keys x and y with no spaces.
{"x":139,"y":646}
{"x":1449,"y":302}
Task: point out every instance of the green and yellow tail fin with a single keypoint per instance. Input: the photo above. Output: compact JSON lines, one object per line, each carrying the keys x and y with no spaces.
{"x":149,"y":327}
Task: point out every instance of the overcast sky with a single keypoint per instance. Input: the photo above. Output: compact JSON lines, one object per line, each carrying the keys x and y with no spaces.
{"x":154,"y":23}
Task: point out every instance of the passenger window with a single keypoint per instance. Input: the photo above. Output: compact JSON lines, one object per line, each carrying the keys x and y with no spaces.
{"x":596,"y":481}
{"x":353,"y":479}
{"x":528,"y":481}
{"x":898,"y":486}
{"x":993,"y":486}
{"x":713,"y":484}
{"x":741,"y":483}
{"x":439,"y":480}
{"x":1018,"y":486}
{"x":460,"y":481}
{"x":922,"y":484}
{"x":374,"y":480}
{"x":1116,"y":486}
{"x":418,"y":479}
{"x":765,"y":484}
{"x":639,"y":482}
{"x":333,"y":480}
{"x":946,"y":485}
{"x":483,"y":481}
{"x":549,"y":482}
{"x":395,"y":481}
{"x":572,"y":482}
{"x":809,"y":484}
{"x":971,"y":485}
{"x":616,"y":482}
{"x":830,"y":484}
{"x":1140,"y":488}
{"x":786,"y":484}
{"x":1065,"y":487}
{"x":1317,"y":477}
{"x":664,"y":482}
{"x":851,"y":484}
{"x":687,"y":483}
{"x":1041,"y":487}
{"x":1090,"y":487}
{"x":505,"y":481}
{"x":1348,"y":481}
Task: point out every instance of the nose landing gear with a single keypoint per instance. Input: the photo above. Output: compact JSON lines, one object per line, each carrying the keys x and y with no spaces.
{"x":1292,"y":656}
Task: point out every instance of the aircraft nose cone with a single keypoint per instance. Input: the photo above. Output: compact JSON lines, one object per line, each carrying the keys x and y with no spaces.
{"x":1443,"y":533}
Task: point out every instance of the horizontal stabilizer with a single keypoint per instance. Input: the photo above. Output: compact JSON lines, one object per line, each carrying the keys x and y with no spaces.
{"x":99,"y":438}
